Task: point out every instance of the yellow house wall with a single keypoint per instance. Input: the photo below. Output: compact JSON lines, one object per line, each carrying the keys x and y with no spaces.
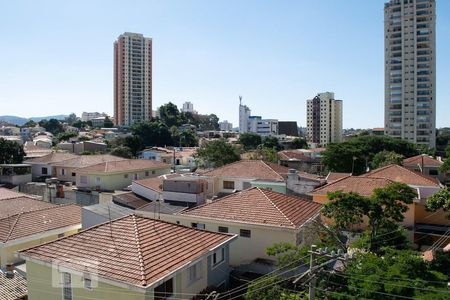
{"x":242,"y":250}
{"x":67,"y":174}
{"x":437,"y":218}
{"x":7,"y":254}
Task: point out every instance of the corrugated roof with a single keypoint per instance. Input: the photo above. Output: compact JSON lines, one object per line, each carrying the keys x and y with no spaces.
{"x":124,"y":166}
{"x":36,"y":221}
{"x":356,"y":184}
{"x":134,"y":249}
{"x":401,"y":174}
{"x":257,"y":169}
{"x":258,"y":206}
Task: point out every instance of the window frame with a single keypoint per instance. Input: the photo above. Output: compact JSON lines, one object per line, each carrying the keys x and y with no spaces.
{"x":214,"y":261}
{"x":223,"y":229}
{"x":242,"y":233}
{"x":66,"y":286}
{"x":228,"y":185}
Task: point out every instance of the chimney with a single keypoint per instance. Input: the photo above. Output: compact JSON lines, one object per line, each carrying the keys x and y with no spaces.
{"x":292,"y":175}
{"x":9,"y":271}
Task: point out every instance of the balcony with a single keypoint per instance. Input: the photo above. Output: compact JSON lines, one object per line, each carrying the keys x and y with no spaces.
{"x":423,"y":86}
{"x":423,"y":99}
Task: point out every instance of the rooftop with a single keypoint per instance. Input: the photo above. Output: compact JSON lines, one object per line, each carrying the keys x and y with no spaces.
{"x":333,"y":176}
{"x":256,"y":169}
{"x":360,"y":185}
{"x":418,"y":160}
{"x":87,"y":160}
{"x":124,"y":166}
{"x":401,"y":174}
{"x":27,"y":223}
{"x":52,"y":158}
{"x":13,"y":288}
{"x":258,"y":206}
{"x":109,"y":210}
{"x":135,"y":250}
{"x":16,"y":205}
{"x":8,"y":194}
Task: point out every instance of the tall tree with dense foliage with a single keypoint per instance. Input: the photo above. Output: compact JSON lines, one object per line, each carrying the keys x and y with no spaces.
{"x":271,"y":142}
{"x":250,"y":140}
{"x":385,"y":158}
{"x":53,"y":126}
{"x":153,"y":133}
{"x":384,"y":210}
{"x":11,"y":152}
{"x":216,"y":153}
{"x":108,"y":123}
{"x":170,"y":115}
{"x":134,"y":143}
{"x":122,"y":151}
{"x":299,"y":143}
{"x":358,"y":152}
{"x":446,"y":166}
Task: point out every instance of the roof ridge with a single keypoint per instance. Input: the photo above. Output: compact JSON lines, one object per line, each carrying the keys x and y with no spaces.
{"x":13,"y":226}
{"x":139,"y":251}
{"x":337,"y":180}
{"x":408,"y":170}
{"x":226,"y":165}
{"x":274,"y":205}
{"x":266,"y":164}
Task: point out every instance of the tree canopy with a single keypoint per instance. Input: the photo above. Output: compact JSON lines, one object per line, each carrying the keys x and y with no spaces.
{"x":53,"y":126}
{"x":359,"y":152}
{"x":11,"y":152}
{"x":440,"y":200}
{"x":299,"y":143}
{"x":216,"y":153}
{"x":250,"y":140}
{"x":153,"y":133}
{"x":385,"y":158}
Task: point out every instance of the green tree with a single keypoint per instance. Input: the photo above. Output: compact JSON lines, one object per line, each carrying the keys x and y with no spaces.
{"x":29,"y":123}
{"x":134,"y":144}
{"x":53,"y":126}
{"x":79,"y":124}
{"x":153,"y":133}
{"x":170,"y":115}
{"x":108,"y":123}
{"x":65,"y":136}
{"x":216,"y":153}
{"x":271,"y":142}
{"x":385,"y":158}
{"x":188,"y":138}
{"x":359,"y":152}
{"x":250,"y":140}
{"x":71,"y":118}
{"x":384,"y":209}
{"x":446,"y":165}
{"x":265,"y":154}
{"x":11,"y":152}
{"x":299,"y":143}
{"x":439,"y":200}
{"x":122,"y":151}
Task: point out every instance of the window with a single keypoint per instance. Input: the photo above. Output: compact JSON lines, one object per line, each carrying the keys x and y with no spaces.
{"x":195,"y":272}
{"x":228,"y":185}
{"x":60,"y":235}
{"x":63,"y":172}
{"x":125,"y":176}
{"x":83,"y":179}
{"x":153,"y":172}
{"x":218,"y":256}
{"x":97,"y":179}
{"x":245,"y":233}
{"x":164,"y":290}
{"x":135,"y":176}
{"x":44,"y":171}
{"x":147,"y":173}
{"x":87,"y":283}
{"x":223,"y":229}
{"x":66,"y":286}
{"x":198,"y":225}
{"x":433,"y":172}
{"x":74,"y":174}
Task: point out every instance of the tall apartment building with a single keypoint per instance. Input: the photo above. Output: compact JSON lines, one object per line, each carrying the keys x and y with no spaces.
{"x":255,"y":124}
{"x":410,"y":70}
{"x":244,"y":115}
{"x":188,"y":107}
{"x":324,"y":119}
{"x":132,"y":79}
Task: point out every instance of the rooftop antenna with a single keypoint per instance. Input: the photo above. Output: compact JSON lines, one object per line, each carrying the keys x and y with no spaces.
{"x":240,"y":100}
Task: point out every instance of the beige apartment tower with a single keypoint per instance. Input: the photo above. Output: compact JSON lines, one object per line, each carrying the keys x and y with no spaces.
{"x":410,"y":70}
{"x":324,"y":119}
{"x":132,"y":79}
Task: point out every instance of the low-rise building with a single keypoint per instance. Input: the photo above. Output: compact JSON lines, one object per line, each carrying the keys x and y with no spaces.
{"x":426,"y":165}
{"x":41,"y":167}
{"x":304,"y":160}
{"x":13,"y":286}
{"x":260,"y":217}
{"x":117,"y":175}
{"x":131,"y":258}
{"x":244,"y":174}
{"x":84,"y":146}
{"x":15,"y":174}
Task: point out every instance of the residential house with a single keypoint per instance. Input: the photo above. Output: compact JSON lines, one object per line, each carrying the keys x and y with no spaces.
{"x":244,"y":174}
{"x":33,"y":151}
{"x":84,"y":146}
{"x":26,"y":222}
{"x":304,"y":160}
{"x":182,"y":158}
{"x":41,"y":167}
{"x":426,"y":165}
{"x":129,"y":258}
{"x":13,"y":286}
{"x":117,"y":175}
{"x":260,"y":217}
{"x":66,"y":170}
{"x":15,"y":174}
{"x":301,"y":183}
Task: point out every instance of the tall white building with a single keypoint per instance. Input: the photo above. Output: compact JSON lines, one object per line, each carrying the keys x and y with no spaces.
{"x":88,"y":116}
{"x":225,"y":126}
{"x":244,"y":115}
{"x":256,"y":124}
{"x":410,"y":70}
{"x":188,"y":107}
{"x":324,"y":119}
{"x":132,"y":79}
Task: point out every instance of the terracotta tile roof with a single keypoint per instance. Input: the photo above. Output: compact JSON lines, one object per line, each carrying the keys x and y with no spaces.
{"x":36,"y":221}
{"x":401,"y":174}
{"x":291,"y":155}
{"x":87,"y":160}
{"x":13,"y":288}
{"x":130,"y":200}
{"x":333,"y":176}
{"x":356,"y":184}
{"x":52,"y":158}
{"x":154,"y":183}
{"x":428,"y":161}
{"x":258,"y":206}
{"x":257,"y":169}
{"x":309,"y":176}
{"x":135,"y":250}
{"x":8,"y":194}
{"x":124,"y":166}
{"x":13,"y":206}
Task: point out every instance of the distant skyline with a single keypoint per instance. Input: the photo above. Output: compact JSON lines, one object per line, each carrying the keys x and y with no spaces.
{"x":57,"y":57}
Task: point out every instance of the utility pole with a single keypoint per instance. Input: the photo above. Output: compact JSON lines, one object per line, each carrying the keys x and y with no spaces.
{"x":312,"y":263}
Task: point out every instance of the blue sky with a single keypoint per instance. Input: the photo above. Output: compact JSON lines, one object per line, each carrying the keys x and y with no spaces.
{"x":57,"y":56}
